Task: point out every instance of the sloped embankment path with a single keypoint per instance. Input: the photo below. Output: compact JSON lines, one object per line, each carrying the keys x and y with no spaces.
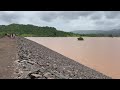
{"x":7,"y":57}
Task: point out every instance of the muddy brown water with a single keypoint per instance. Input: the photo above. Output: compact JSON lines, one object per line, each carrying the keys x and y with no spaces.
{"x":99,"y":53}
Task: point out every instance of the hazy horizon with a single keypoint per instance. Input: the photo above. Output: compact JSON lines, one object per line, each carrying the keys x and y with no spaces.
{"x":64,"y":20}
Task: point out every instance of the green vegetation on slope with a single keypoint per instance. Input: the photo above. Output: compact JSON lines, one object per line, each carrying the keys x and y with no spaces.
{"x":35,"y":31}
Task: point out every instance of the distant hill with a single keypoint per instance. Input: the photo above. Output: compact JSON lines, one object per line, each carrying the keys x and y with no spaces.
{"x":36,"y":31}
{"x":114,"y":32}
{"x":88,"y":31}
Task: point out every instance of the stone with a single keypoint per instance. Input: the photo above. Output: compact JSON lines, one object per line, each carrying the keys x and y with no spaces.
{"x":50,"y":78}
{"x":47,"y":74}
{"x":54,"y":66}
{"x":41,"y":78}
{"x":34,"y":76}
{"x":80,"y":77}
{"x":8,"y":66}
{"x":42,"y":69}
{"x":80,"y":38}
{"x":34,"y":68}
{"x":31,"y":62}
{"x":25,"y":74}
{"x":61,"y":76}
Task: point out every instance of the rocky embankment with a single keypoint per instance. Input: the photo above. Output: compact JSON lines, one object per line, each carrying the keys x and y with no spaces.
{"x":38,"y":62}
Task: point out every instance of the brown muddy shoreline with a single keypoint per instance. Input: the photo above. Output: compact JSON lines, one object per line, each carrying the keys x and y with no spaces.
{"x":36,"y":61}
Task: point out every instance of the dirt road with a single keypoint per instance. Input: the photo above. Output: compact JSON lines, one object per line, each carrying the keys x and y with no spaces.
{"x":7,"y":57}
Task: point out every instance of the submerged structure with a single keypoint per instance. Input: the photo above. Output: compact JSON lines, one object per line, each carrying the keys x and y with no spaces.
{"x":80,"y":38}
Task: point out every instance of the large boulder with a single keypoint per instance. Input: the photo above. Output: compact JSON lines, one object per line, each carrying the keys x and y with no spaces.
{"x":80,"y":38}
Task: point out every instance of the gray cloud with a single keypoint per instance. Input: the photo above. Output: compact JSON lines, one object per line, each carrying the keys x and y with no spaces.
{"x":64,"y":20}
{"x":48,"y":16}
{"x":76,"y":14}
{"x":105,"y":22}
{"x":97,"y":16}
{"x":112,"y":14}
{"x":66,"y":15}
{"x":8,"y":17}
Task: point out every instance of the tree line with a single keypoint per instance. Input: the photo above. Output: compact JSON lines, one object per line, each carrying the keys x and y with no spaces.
{"x":35,"y":31}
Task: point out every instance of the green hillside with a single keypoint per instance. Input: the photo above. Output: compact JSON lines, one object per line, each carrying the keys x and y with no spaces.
{"x":34,"y":31}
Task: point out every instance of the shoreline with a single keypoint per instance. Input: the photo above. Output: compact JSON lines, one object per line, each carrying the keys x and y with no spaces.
{"x":39,"y":62}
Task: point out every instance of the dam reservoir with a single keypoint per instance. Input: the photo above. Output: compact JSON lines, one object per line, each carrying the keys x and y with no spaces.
{"x":99,"y":53}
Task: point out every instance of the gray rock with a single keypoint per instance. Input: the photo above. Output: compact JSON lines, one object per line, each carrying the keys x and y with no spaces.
{"x":48,"y":75}
{"x":35,"y":76}
{"x":31,"y":62}
{"x":42,"y":69}
{"x":55,"y":66}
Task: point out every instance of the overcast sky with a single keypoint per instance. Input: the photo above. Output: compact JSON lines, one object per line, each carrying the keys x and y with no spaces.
{"x":64,"y":20}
